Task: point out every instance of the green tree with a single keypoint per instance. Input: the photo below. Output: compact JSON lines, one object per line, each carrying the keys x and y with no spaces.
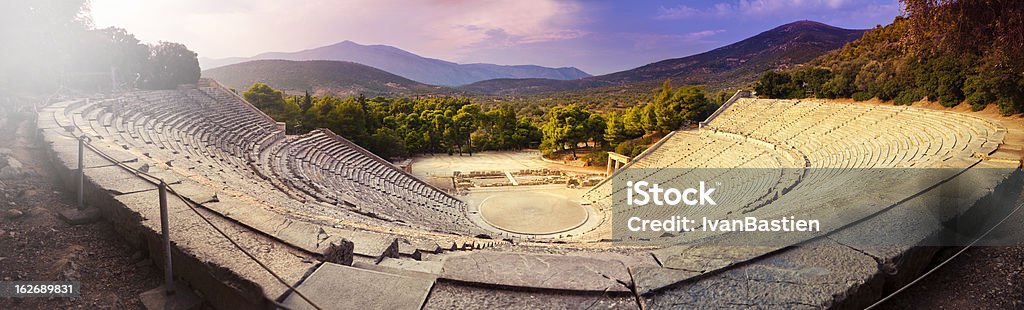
{"x":105,"y":56}
{"x":307,"y":102}
{"x":633,"y":122}
{"x":348,"y":119}
{"x":596,"y":126}
{"x":386,"y":143}
{"x":526,"y":134}
{"x":615,"y":131}
{"x":171,"y":64}
{"x":693,"y":105}
{"x":566,"y":128}
{"x":776,"y":85}
{"x":264,"y":97}
{"x":666,"y":92}
{"x":666,"y":108}
{"x":686,"y":104}
{"x":649,"y":118}
{"x":502,"y":126}
{"x":465,"y":122}
{"x":274,"y":104}
{"x":812,"y":80}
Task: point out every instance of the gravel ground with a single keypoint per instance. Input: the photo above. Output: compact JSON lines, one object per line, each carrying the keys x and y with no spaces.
{"x":35,"y":245}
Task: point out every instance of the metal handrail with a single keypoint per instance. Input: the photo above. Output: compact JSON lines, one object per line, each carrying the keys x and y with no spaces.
{"x":739,"y":94}
{"x":164,"y":188}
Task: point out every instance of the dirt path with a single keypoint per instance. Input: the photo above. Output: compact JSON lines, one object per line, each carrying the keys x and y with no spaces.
{"x":37,"y":246}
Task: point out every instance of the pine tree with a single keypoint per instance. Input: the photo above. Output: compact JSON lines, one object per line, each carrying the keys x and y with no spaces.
{"x":307,"y":102}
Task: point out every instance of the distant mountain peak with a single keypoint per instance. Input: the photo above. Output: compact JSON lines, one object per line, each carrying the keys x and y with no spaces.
{"x":805,"y":25}
{"x":409,"y":65}
{"x":731,"y":65}
{"x":340,"y":78}
{"x":343,"y":43}
{"x":808,"y":22}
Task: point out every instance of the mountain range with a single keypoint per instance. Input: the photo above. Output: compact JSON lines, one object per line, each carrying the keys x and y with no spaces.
{"x":340,"y":78}
{"x":732,"y":65}
{"x":414,"y":67}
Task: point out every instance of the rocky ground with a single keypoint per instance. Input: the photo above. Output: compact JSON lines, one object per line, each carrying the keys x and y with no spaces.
{"x":36,"y":245}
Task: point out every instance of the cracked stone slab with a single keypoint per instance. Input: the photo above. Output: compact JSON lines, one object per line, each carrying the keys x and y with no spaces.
{"x":304,"y":235}
{"x":118,"y":181}
{"x":918,"y":221}
{"x":448,"y":295}
{"x":162,"y":173}
{"x":819,"y":274}
{"x":417,"y":248}
{"x":117,"y":154}
{"x":431,"y":267}
{"x":681,"y":263}
{"x":334,"y":286}
{"x":426,"y":246}
{"x":195,"y":238}
{"x":708,"y":257}
{"x":196,"y":192}
{"x":66,"y":149}
{"x":896,"y":251}
{"x":405,"y":267}
{"x":377,"y":246}
{"x":572,"y":273}
{"x":912,"y":227}
{"x":647,"y":278}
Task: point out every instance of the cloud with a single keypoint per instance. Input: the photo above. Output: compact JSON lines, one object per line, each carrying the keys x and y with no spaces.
{"x":507,"y":23}
{"x":597,"y":36}
{"x":644,"y":41}
{"x":440,"y":28}
{"x":677,"y":12}
{"x":702,"y":34}
{"x":752,"y":8}
{"x":878,"y":12}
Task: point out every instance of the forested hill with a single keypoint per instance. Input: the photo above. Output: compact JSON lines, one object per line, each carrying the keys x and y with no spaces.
{"x":414,"y":67}
{"x":736,"y":64}
{"x":953,"y":52}
{"x":340,"y":78}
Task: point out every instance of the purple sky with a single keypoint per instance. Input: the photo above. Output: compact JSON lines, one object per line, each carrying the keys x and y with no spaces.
{"x":596,"y":36}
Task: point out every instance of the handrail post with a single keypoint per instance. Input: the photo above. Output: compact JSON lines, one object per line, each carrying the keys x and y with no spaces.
{"x":165,"y":230}
{"x":81,"y":172}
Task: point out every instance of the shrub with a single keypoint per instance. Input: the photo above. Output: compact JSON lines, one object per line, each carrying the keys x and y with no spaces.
{"x":597,"y":157}
{"x":979,"y":100}
{"x":1007,"y":107}
{"x":906,"y":97}
{"x":949,"y":100}
{"x":637,"y":150}
{"x":624,"y":147}
{"x":861,"y":96}
{"x":979,"y":92}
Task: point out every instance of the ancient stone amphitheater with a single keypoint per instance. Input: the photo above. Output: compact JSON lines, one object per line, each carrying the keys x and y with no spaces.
{"x":348,"y":229}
